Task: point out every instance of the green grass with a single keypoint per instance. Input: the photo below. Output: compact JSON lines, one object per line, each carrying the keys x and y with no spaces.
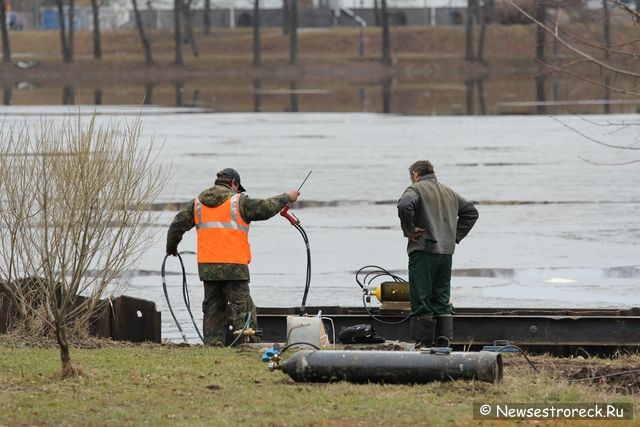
{"x":170,"y":385}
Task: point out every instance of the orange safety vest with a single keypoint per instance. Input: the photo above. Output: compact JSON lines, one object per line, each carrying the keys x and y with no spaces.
{"x":223,"y":236}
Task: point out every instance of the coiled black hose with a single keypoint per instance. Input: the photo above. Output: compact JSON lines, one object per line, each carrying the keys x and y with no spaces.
{"x":369,"y":277}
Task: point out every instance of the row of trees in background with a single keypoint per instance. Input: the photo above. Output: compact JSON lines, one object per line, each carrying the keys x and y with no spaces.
{"x":479,"y":12}
{"x":183,"y":18}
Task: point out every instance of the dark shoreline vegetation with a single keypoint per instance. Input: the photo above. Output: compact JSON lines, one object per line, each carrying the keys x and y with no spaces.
{"x":166,"y":384}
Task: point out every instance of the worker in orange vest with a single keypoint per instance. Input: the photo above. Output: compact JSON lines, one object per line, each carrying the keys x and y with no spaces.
{"x":222,"y":216}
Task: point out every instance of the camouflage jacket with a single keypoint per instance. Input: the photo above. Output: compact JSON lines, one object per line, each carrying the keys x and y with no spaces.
{"x":250,"y":209}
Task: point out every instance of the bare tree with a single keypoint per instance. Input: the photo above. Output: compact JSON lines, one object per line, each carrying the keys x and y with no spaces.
{"x":71,"y":33}
{"x":97,"y":47}
{"x":606,"y":28}
{"x":6,"y":46}
{"x":293,"y":32}
{"x":541,"y":35}
{"x":144,"y":38}
{"x":483,"y":17}
{"x":74,"y":217}
{"x":188,"y":24}
{"x":286,"y":16}
{"x":67,"y":52}
{"x":591,"y":55}
{"x":177,"y":32}
{"x":206,"y":17}
{"x":471,"y":12}
{"x":598,"y":61}
{"x":386,"y":42}
{"x":256,"y":33}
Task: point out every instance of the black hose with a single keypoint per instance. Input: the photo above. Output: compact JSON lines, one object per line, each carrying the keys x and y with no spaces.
{"x":308,"y":279}
{"x":166,"y":294}
{"x":380,"y":272}
{"x":373,"y":316}
{"x":286,"y":347}
{"x":185,"y":296}
{"x":364,"y":285}
{"x":187,"y":302}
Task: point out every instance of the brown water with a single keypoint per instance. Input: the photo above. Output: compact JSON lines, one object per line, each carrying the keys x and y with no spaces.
{"x":405,"y":95}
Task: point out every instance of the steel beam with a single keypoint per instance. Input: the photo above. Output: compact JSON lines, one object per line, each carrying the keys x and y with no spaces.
{"x":476,"y":326}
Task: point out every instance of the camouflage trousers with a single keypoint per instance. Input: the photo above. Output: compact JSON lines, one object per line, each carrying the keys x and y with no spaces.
{"x":226,"y":302}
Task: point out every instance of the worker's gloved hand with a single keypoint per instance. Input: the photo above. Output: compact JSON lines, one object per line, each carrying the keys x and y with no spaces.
{"x":293,"y":195}
{"x":172,"y":252}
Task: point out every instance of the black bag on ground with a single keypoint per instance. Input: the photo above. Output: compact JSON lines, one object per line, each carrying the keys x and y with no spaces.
{"x":359,"y":334}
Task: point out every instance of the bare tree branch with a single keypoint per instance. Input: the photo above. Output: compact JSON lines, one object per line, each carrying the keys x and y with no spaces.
{"x":572,"y":47}
{"x":584,"y":135}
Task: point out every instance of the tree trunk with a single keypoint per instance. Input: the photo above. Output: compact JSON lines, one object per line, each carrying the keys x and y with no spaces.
{"x":376,"y":13}
{"x":7,"y":100}
{"x":386,"y":93}
{"x":606,"y":28}
{"x":468,"y":55}
{"x":146,"y":43}
{"x":256,"y":33}
{"x":6,"y":46}
{"x":177,"y":32}
{"x":483,"y":27}
{"x":293,"y":95}
{"x":541,"y":34}
{"x":97,"y":97}
{"x":541,"y":96}
{"x":469,"y":98}
{"x":286,"y":14}
{"x":607,"y":95}
{"x":188,"y":23}
{"x":97,"y":48}
{"x":206,"y":18}
{"x":293,"y":32}
{"x":66,"y":56}
{"x":148,"y":94}
{"x":63,"y":343}
{"x":386,"y":43}
{"x":179,"y":87}
{"x":68,"y":95}
{"x":257,"y":95}
{"x":71,"y":29}
{"x":481,"y":102}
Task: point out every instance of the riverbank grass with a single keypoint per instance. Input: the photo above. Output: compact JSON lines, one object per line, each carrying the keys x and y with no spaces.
{"x":169,"y":385}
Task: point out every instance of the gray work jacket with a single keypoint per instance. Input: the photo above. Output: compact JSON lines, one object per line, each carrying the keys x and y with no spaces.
{"x":445,"y":216}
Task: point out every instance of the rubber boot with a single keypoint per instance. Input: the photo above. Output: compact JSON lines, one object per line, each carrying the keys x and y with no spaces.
{"x":444,"y":330}
{"x":423,"y":330}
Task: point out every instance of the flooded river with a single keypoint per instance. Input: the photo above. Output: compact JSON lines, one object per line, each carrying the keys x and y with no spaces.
{"x":559,"y":212}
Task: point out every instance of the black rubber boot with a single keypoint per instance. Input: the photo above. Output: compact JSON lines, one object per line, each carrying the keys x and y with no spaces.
{"x":444,"y":330}
{"x":423,"y":330}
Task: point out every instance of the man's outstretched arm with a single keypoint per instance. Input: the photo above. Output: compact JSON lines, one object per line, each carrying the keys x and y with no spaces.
{"x":181,"y":223}
{"x":263,"y":209}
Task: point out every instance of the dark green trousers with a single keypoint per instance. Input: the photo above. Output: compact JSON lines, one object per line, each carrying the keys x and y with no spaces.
{"x":429,"y":283}
{"x":226,"y":301}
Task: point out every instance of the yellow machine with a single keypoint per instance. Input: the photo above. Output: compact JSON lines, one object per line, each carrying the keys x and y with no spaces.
{"x":392,"y":291}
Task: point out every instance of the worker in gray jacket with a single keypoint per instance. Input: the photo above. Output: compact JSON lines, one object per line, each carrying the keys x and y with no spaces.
{"x":433,"y":218}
